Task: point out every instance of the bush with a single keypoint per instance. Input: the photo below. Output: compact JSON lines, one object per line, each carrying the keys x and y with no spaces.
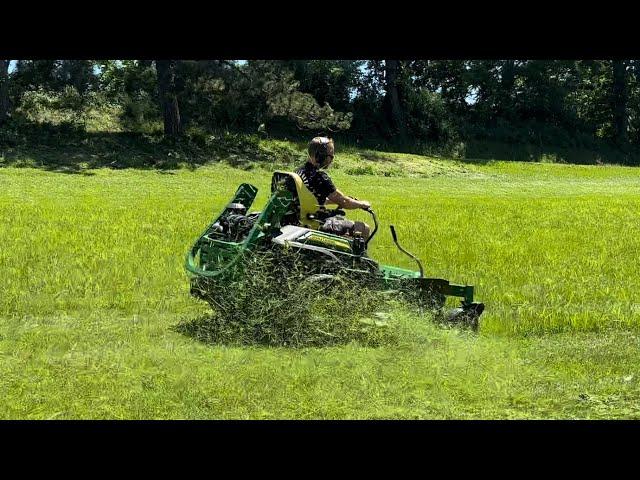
{"x":140,"y":113}
{"x":56,"y":108}
{"x":68,"y":110}
{"x":282,"y":154}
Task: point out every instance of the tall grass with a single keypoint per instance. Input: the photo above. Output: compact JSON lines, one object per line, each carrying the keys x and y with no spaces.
{"x":93,"y":289}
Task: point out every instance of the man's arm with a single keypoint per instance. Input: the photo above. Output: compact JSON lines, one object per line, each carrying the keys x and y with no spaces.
{"x":345,"y":202}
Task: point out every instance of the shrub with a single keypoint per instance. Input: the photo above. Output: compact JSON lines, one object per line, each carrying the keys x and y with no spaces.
{"x":140,"y":113}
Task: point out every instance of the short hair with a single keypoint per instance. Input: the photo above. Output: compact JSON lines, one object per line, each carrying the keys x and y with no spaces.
{"x":317,"y":143}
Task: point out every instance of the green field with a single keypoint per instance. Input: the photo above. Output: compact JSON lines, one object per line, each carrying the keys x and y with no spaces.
{"x":93,"y":286}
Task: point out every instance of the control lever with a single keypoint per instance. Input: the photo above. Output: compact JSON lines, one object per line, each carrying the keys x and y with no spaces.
{"x":395,"y":240}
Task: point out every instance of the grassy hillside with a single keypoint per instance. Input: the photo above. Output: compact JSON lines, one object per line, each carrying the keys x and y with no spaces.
{"x":95,"y":286}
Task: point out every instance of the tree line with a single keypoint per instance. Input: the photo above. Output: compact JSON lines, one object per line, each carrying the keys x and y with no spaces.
{"x":566,"y":103}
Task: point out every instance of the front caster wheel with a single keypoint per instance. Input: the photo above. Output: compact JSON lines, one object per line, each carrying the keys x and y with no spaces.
{"x":467,"y":315}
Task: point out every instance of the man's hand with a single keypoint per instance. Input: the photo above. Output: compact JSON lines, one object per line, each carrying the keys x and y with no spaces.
{"x":364,"y":204}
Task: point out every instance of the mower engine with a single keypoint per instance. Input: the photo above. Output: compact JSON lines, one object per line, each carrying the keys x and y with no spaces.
{"x":234,"y":225}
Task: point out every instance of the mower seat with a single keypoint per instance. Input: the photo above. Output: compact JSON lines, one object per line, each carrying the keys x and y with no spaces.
{"x":305,"y":200}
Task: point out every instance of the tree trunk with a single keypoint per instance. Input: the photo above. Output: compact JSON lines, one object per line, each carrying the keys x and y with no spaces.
{"x":619,"y":100}
{"x":4,"y":90}
{"x":507,"y":82}
{"x":508,"y":76}
{"x":393,"y":99}
{"x":168,"y":99}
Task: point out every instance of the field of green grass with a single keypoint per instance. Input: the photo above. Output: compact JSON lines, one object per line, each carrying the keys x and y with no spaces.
{"x":93,"y":285}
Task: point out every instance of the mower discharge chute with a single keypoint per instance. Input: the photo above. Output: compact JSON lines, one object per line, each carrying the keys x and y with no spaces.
{"x":291,"y":219}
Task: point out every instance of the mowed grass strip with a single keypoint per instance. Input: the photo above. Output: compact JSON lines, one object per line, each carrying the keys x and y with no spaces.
{"x":93,"y":282}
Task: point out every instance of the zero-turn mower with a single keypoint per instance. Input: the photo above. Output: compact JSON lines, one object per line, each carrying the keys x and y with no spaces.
{"x":291,"y":219}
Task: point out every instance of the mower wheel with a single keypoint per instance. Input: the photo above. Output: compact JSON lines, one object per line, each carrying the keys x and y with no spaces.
{"x":468,"y":315}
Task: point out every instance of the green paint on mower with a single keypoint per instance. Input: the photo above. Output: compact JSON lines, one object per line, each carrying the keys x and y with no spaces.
{"x":217,"y":254}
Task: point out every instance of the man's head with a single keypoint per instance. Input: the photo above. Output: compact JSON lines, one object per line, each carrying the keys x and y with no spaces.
{"x":321,"y":151}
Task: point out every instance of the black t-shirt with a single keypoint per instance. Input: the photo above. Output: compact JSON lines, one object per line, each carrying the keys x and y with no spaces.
{"x":317,"y":181}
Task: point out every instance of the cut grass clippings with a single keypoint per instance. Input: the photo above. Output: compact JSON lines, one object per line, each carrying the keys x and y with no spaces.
{"x":278,"y":299}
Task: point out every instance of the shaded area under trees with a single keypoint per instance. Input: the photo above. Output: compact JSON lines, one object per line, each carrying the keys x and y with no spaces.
{"x":515,"y":109}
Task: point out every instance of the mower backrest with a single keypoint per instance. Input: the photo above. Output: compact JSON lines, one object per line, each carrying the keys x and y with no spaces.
{"x":306,"y":202}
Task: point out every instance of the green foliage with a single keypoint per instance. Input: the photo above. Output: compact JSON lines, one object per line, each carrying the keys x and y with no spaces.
{"x":131,"y":84}
{"x":329,"y":81}
{"x":284,"y":101}
{"x":283,"y":98}
{"x":446,"y":104}
{"x":66,"y":107}
{"x":139,"y":113}
{"x":429,"y":119}
{"x":40,"y":106}
{"x":209,"y":94}
{"x":127,"y":77}
{"x":55,"y":75}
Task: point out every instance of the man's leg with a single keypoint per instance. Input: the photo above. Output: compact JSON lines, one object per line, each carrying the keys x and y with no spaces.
{"x":342,"y":226}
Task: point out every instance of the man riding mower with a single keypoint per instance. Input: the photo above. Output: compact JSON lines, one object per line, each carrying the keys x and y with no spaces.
{"x":321,"y":153}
